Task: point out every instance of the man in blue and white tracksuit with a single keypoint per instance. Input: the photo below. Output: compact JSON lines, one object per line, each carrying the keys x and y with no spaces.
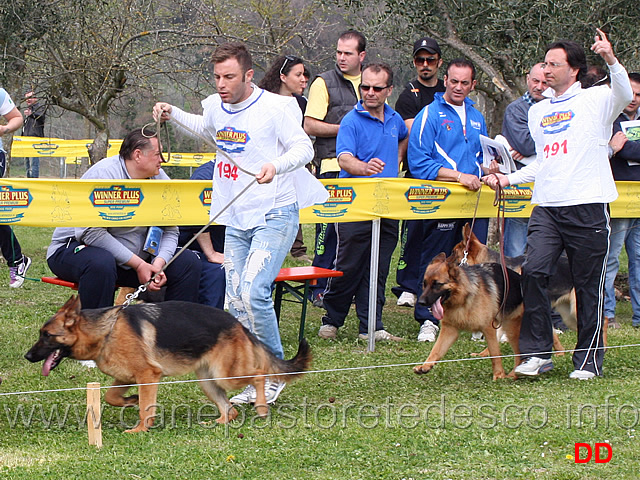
{"x":444,"y":145}
{"x":573,"y":188}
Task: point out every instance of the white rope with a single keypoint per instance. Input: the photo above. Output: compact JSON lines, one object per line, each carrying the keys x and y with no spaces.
{"x":328,"y":370}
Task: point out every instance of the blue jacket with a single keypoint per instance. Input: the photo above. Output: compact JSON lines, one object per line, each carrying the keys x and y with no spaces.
{"x":439,"y":140}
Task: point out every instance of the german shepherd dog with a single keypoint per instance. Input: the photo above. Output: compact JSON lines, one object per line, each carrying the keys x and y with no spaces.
{"x":140,"y":344}
{"x":561,"y":291}
{"x":470,"y":298}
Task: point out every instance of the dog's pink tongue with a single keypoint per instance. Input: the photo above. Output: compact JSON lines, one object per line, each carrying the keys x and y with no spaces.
{"x":437,"y":310}
{"x":46,"y":368}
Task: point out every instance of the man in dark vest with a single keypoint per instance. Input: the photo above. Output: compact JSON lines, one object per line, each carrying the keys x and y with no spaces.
{"x":331,"y":96}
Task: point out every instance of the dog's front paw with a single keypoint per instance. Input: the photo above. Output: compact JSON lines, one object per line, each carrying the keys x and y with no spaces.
{"x":483,"y":353}
{"x":424,"y":368}
{"x":499,"y":374}
{"x":138,"y":428}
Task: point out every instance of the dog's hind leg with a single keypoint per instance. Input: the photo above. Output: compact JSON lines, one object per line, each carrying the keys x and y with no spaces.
{"x":217,"y":395}
{"x":262,"y":409}
{"x":494,"y":351}
{"x":557,"y":345}
{"x":115,"y":395}
{"x":512,"y":329}
{"x":448,"y":335}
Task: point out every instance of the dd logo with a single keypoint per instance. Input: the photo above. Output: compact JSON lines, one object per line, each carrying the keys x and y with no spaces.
{"x":589,"y":451}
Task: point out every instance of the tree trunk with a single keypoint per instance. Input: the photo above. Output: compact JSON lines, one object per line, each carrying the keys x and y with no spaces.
{"x":98,"y":149}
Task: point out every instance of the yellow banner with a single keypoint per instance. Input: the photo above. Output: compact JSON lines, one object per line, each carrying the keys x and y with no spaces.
{"x":75,"y":150}
{"x":44,"y":202}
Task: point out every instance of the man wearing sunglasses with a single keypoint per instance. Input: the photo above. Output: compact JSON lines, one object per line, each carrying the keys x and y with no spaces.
{"x":444,"y":145}
{"x":331,"y":96}
{"x":427,"y":58}
{"x":367,"y":146}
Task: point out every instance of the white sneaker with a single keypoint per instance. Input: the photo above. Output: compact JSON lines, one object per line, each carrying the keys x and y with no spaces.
{"x":582,"y":375}
{"x":272,"y":389}
{"x":328,"y":332}
{"x":248,"y":395}
{"x":428,"y":332}
{"x":533,"y":366}
{"x":381,"y":335}
{"x":477,"y":336}
{"x":407,"y":299}
{"x":17,"y":273}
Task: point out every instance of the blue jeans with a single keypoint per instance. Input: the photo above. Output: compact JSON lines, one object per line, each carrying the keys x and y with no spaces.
{"x":515,"y":236}
{"x":252,"y":261}
{"x":212,"y":283}
{"x":623,"y":231}
{"x":33,"y":167}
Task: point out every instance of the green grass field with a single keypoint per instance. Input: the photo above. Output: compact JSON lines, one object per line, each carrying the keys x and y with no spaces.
{"x":342,"y":421}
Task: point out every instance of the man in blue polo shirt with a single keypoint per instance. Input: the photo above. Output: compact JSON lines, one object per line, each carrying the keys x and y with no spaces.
{"x":367,"y":146}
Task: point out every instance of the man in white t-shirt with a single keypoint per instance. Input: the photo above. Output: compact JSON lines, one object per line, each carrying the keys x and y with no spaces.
{"x":572,"y":191}
{"x":261,"y":132}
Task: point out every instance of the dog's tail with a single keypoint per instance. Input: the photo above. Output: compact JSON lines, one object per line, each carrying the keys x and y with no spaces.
{"x":295,"y":367}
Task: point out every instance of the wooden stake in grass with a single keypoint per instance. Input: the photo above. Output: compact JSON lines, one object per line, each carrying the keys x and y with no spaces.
{"x":94,"y":422}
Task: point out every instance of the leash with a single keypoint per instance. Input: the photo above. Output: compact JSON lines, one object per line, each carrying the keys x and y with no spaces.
{"x":499,"y":201}
{"x":142,"y":288}
{"x":465,"y":254}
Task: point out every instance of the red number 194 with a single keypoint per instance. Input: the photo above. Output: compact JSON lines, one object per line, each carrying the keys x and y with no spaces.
{"x":227,"y":170}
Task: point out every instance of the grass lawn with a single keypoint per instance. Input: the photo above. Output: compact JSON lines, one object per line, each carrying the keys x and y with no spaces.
{"x":386,"y":422}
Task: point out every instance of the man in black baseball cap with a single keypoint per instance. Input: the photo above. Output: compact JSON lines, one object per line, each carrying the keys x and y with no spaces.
{"x":427,"y":44}
{"x":418,"y":93}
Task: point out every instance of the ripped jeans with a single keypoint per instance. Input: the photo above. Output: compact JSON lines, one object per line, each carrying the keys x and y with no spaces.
{"x":252,"y":261}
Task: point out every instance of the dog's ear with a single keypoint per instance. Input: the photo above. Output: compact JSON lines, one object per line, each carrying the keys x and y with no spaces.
{"x":466,"y":230}
{"x":72,"y":307}
{"x":453,"y":268}
{"x":69,"y":304}
{"x":73,"y":313}
{"x":441,"y":257}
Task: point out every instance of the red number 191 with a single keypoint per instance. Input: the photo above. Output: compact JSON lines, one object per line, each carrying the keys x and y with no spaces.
{"x":555,"y":149}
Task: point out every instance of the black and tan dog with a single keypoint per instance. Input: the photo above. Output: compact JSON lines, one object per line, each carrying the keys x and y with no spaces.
{"x":561,"y":292}
{"x":470,"y":298}
{"x":140,"y":344}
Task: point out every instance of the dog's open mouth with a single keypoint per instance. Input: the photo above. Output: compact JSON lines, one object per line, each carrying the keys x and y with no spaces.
{"x":51,"y":362}
{"x":437,"y":310}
